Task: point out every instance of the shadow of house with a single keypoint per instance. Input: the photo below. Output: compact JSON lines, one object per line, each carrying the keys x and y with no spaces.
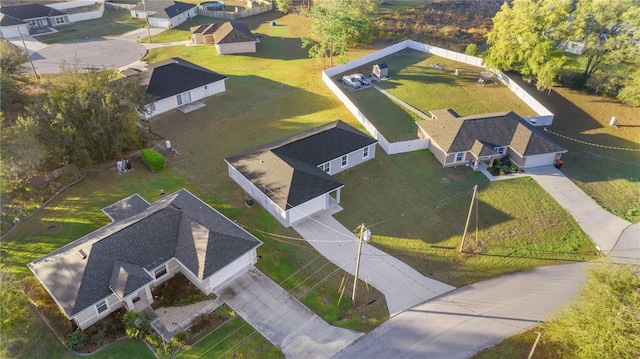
{"x":146,"y":244}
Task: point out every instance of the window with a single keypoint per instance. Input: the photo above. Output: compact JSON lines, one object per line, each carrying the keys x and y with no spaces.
{"x":325,"y":167}
{"x":160,"y":271}
{"x":365,"y":152}
{"x":344,"y":161}
{"x":102,"y":306}
{"x":459,"y":157}
{"x":500,"y":150}
{"x":59,"y":20}
{"x":183,"y":98}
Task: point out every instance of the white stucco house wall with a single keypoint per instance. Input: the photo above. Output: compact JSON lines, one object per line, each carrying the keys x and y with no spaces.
{"x":292,"y":178}
{"x":164,"y":14}
{"x":175,"y":82}
{"x":119,"y":264}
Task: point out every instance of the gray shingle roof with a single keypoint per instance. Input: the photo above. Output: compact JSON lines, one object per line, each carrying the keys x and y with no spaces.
{"x":287,"y":170}
{"x":115,"y":253}
{"x":6,"y":20}
{"x":173,"y":76}
{"x":492,"y":130}
{"x":232,"y":32}
{"x":164,"y":9}
{"x":126,"y":208}
{"x":29,"y":11}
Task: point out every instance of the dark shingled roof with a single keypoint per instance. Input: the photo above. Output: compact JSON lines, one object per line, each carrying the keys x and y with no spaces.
{"x":126,"y":208}
{"x":491,"y":130}
{"x":173,"y":76}
{"x":6,"y":20}
{"x":179,"y":225}
{"x":29,"y":11}
{"x":287,"y":170}
{"x":232,"y":32}
{"x":204,"y":29}
{"x":164,"y":9}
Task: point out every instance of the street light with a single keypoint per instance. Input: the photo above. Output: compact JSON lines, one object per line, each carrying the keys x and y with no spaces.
{"x":146,"y":16}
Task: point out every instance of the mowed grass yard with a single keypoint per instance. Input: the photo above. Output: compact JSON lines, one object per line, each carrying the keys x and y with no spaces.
{"x":112,"y":23}
{"x":416,"y":82}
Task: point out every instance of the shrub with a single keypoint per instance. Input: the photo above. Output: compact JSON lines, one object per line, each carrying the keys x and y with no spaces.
{"x":179,"y":340}
{"x":200,"y":322}
{"x":514,"y":167}
{"x":502,"y":173}
{"x":499,"y":163}
{"x":472,"y":49}
{"x":153,"y":159}
{"x":76,"y":339}
{"x":136,"y":325}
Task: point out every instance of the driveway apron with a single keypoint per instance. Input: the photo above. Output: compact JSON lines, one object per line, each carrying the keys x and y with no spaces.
{"x":402,"y":286}
{"x":282,"y":319}
{"x":460,"y":323}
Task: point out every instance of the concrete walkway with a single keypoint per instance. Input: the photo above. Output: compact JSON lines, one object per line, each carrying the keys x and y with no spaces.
{"x":31,"y":43}
{"x":460,"y":323}
{"x":282,"y":319}
{"x":614,"y":236}
{"x":402,"y":286}
{"x":402,"y":103}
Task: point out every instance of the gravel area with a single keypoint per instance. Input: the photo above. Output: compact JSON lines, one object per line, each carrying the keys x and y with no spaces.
{"x":176,"y":317}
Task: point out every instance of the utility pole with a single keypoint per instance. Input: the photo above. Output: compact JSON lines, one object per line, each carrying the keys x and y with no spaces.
{"x":535,"y":344}
{"x":365,"y":235}
{"x":28,"y":55}
{"x":146,"y":17}
{"x":466,"y":226}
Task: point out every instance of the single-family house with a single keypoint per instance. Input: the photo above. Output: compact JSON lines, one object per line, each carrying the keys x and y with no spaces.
{"x":292,"y":178}
{"x":456,"y":141}
{"x":165,"y":14}
{"x":26,"y":18}
{"x":229,"y":37}
{"x":175,"y":82}
{"x":119,"y":264}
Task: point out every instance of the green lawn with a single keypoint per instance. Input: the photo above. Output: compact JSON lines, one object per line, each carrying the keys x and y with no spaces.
{"x":112,"y":23}
{"x":415,"y":82}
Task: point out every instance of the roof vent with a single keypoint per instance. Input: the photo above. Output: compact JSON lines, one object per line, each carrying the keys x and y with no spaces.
{"x":82,"y":254}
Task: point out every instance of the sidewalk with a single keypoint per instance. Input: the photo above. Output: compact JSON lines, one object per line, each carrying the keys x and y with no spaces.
{"x":30,"y":42}
{"x":402,"y":285}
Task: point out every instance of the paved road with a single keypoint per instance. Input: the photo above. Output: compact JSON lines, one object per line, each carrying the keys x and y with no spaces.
{"x":282,"y":319}
{"x":402,"y":286}
{"x":460,"y":323}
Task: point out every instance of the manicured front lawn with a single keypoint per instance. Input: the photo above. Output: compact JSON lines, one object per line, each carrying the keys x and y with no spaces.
{"x":112,"y":23}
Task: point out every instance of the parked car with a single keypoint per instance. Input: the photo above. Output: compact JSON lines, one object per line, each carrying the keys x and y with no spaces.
{"x":362,"y":78}
{"x":351,"y":81}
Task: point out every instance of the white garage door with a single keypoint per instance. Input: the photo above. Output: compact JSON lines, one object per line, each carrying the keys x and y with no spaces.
{"x":540,"y":160}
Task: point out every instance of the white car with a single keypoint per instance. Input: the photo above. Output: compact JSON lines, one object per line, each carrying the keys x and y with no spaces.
{"x":351,"y":81}
{"x":362,"y":78}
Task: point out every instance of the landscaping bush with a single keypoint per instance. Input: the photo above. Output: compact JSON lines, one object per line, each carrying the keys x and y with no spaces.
{"x":514,"y":168}
{"x":200,"y":322}
{"x":499,"y":163}
{"x":136,"y":325}
{"x":76,"y":340}
{"x":153,"y":159}
{"x":179,"y":340}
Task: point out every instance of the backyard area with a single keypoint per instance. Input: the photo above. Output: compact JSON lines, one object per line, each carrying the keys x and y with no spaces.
{"x":428,"y":82}
{"x":415,"y":208}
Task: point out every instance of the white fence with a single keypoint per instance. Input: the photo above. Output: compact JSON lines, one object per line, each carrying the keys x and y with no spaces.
{"x":118,"y":6}
{"x":89,"y":15}
{"x":227,"y":15}
{"x":544,"y":118}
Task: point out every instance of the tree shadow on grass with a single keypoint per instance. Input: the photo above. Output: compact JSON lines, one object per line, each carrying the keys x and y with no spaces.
{"x":278,"y":48}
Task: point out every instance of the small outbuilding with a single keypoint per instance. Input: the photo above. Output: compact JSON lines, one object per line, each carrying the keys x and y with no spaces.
{"x":381,"y":70}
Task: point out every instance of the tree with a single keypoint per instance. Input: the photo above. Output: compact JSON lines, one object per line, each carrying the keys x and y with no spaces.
{"x":630,"y":94}
{"x":88,"y":118}
{"x":338,"y":24}
{"x":283,"y":5}
{"x":608,"y":30}
{"x":602,"y":321}
{"x":472,"y":49}
{"x":526,"y":37}
{"x":12,"y":67}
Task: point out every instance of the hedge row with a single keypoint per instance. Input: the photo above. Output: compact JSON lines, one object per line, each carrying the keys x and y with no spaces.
{"x":153,"y":159}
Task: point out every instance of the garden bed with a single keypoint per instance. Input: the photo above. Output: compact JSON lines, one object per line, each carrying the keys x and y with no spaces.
{"x":178,"y":291}
{"x":503,"y":168}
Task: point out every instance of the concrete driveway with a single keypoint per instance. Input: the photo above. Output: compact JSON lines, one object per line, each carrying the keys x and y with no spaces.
{"x":96,"y":53}
{"x":460,"y":323}
{"x":402,"y":286}
{"x":282,"y":319}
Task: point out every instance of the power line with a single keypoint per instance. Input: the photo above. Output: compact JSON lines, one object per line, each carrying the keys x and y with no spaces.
{"x":592,"y":144}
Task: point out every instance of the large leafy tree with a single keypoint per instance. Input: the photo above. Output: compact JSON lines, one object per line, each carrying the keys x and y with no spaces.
{"x":338,"y":24}
{"x":631,"y":92}
{"x":88,"y":118}
{"x":526,"y":37}
{"x":608,"y":31}
{"x":602,"y":322}
{"x":12,"y":67}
